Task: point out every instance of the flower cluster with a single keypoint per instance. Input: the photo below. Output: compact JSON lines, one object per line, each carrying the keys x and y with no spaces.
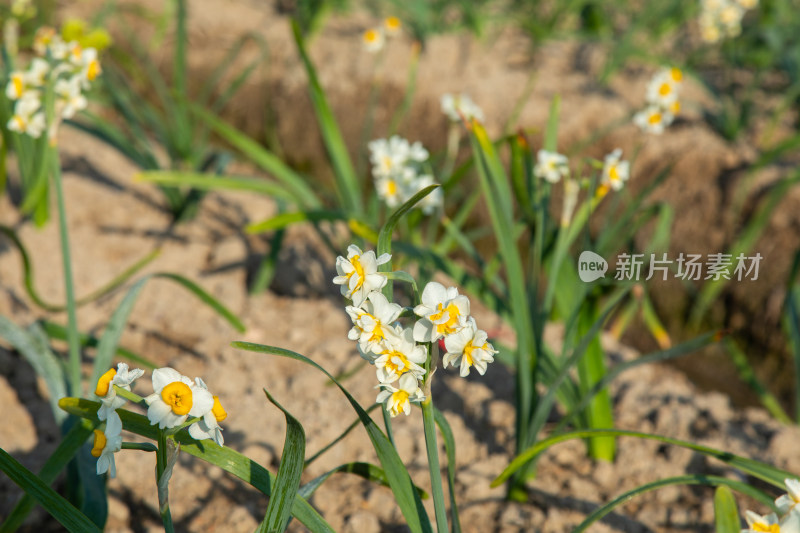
{"x":397,"y":167}
{"x":68,"y":66}
{"x":175,"y":399}
{"x":375,"y":38}
{"x":788,"y":508}
{"x":401,"y":354}
{"x":461,"y":107}
{"x":662,"y":101}
{"x":721,"y":19}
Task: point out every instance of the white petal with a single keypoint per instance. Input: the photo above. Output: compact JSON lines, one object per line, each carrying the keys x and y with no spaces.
{"x":163,"y":377}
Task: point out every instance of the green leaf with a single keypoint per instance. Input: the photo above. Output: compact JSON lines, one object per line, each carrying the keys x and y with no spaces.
{"x":296,"y":185}
{"x":690,"y":479}
{"x":63,"y":454}
{"x":33,"y":294}
{"x":229,"y":460}
{"x":110,"y":339}
{"x":287,"y":482}
{"x":367,"y":471}
{"x":347,"y":185}
{"x":33,"y":346}
{"x":284,"y":220}
{"x":763,"y":471}
{"x":350,"y":428}
{"x":55,"y":504}
{"x":726,"y":513}
{"x":214,"y":182}
{"x":496,"y":188}
{"x":744,"y":243}
{"x":57,"y":331}
{"x":551,"y":133}
{"x":403,"y":488}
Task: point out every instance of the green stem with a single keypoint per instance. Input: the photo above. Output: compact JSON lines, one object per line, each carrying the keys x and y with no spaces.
{"x":387,"y":422}
{"x":73,"y":337}
{"x":433,"y":464}
{"x":161,"y":466}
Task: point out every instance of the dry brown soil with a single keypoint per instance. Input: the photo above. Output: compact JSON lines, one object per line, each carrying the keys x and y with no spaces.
{"x":114,"y":221}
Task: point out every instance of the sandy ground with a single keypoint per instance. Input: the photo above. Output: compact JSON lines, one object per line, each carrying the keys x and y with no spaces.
{"x":114,"y":222}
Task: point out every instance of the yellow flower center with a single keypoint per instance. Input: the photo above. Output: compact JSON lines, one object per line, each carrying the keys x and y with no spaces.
{"x":93,"y":70}
{"x":76,"y":51}
{"x":370,"y":36}
{"x":377,"y":332}
{"x":773,"y":528}
{"x":392,"y":23}
{"x":99,"y":443}
{"x":675,"y":108}
{"x":448,"y":326}
{"x":676,"y":74}
{"x":399,"y":399}
{"x":613,"y":175}
{"x":178,"y":396}
{"x":391,"y":187}
{"x":21,"y":124}
{"x":358,"y":270}
{"x":19,"y":87}
{"x":654,"y":119}
{"x":398,"y":363}
{"x":468,"y":349}
{"x":665,"y":89}
{"x":104,"y":383}
{"x":219,"y":412}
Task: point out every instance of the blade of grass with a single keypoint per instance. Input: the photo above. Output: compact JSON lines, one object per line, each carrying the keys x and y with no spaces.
{"x":347,"y":184}
{"x":296,"y":185}
{"x":403,"y":488}
{"x":41,"y":358}
{"x":63,"y":454}
{"x":770,"y":474}
{"x":33,"y":294}
{"x":689,"y":479}
{"x":52,"y":502}
{"x":213,"y":182}
{"x":57,"y":331}
{"x":367,"y":471}
{"x":726,"y":513}
{"x":287,"y":481}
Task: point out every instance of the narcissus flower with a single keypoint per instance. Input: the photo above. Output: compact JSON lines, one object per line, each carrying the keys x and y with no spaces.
{"x":654,"y":119}
{"x":400,"y":355}
{"x":106,"y":444}
{"x":175,"y":398}
{"x":398,"y":400}
{"x":373,"y":322}
{"x":443,"y":312}
{"x":615,"y":172}
{"x":373,"y":40}
{"x":456,"y":106}
{"x":662,"y":89}
{"x":468,"y":347}
{"x":392,"y":25}
{"x":358,"y":274}
{"x":70,"y":99}
{"x":208,"y":426}
{"x":28,"y":117}
{"x":550,"y":166}
{"x":788,"y":501}
{"x":121,"y":377}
